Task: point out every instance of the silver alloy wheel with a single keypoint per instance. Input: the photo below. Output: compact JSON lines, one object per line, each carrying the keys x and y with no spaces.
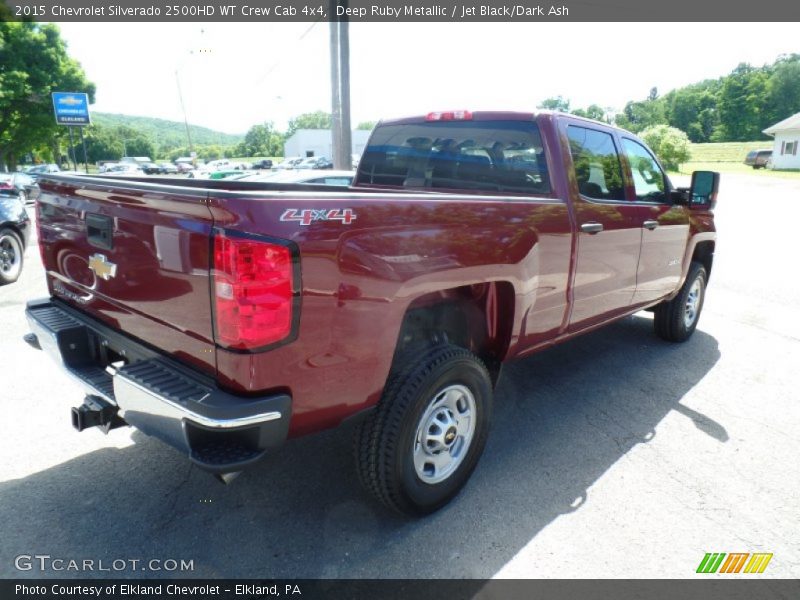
{"x":10,"y":255}
{"x":693,"y":303}
{"x":444,"y":434}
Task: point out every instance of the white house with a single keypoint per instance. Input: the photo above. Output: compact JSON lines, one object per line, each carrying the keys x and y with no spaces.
{"x":319,"y":142}
{"x":785,"y":154}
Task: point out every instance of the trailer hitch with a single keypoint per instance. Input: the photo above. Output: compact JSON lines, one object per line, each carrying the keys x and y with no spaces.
{"x":96,"y":412}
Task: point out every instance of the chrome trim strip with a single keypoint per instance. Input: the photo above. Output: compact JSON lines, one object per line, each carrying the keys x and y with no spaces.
{"x":202,"y":419}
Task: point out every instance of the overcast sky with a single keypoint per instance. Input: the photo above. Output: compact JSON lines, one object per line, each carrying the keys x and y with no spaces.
{"x":234,"y":75}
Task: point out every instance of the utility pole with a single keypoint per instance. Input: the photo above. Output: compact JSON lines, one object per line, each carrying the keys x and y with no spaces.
{"x":344,"y":73}
{"x":183,"y":108}
{"x":340,"y":91}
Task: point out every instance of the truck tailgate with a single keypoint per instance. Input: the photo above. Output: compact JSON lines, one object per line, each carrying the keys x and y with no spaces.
{"x":136,"y":257}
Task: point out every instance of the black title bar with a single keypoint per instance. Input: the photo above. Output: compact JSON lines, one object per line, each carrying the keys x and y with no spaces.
{"x":712,"y":588}
{"x":408,"y":11}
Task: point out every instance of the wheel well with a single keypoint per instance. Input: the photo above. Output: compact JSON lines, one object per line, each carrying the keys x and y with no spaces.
{"x":476,"y":317}
{"x":704,"y":254}
{"x":14,"y":228}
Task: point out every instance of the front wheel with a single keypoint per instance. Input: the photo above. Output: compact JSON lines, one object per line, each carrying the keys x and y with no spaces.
{"x":420,"y":446}
{"x":676,"y":320}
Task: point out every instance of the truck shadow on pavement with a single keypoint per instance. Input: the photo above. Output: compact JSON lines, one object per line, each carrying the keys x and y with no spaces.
{"x":562,"y":418}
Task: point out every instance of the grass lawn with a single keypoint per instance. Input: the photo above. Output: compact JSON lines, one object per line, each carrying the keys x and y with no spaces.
{"x":726,"y":151}
{"x":728,"y":157}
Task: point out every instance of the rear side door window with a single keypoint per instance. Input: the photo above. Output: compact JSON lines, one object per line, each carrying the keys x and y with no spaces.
{"x":648,"y":178}
{"x":596,"y":162}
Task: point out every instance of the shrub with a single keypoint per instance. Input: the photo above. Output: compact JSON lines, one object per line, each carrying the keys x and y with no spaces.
{"x":671,"y":145}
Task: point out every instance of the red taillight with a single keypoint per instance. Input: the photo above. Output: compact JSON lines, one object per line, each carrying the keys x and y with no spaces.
{"x":454,"y":115}
{"x":253,"y":292}
{"x":5,"y":185}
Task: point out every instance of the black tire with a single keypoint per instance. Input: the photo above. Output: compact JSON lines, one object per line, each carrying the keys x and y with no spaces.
{"x":12,"y":256}
{"x":671,"y":319}
{"x":386,"y":441}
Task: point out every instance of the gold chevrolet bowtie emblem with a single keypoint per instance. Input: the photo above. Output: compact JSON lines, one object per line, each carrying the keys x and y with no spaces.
{"x":102,"y":267}
{"x":70,"y":100}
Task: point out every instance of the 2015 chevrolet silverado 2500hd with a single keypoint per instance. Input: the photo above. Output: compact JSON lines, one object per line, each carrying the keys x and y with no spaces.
{"x":224,"y":317}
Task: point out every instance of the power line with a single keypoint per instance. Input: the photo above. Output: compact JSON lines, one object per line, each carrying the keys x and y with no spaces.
{"x":278,"y":62}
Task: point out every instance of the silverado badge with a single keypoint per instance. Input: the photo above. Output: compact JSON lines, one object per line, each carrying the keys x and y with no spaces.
{"x":102,"y":267}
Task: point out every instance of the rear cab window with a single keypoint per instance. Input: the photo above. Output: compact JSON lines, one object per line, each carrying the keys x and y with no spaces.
{"x":492,"y":156}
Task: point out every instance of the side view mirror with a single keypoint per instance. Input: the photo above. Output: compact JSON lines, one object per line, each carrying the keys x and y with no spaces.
{"x":703,"y":192}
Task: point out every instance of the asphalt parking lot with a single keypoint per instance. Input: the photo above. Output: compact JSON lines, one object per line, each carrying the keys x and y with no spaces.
{"x":613,"y":455}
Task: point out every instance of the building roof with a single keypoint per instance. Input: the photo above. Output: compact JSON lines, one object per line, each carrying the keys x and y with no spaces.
{"x":792,"y":122}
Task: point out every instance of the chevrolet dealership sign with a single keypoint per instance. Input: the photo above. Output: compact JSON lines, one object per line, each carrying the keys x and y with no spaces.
{"x":71,"y":108}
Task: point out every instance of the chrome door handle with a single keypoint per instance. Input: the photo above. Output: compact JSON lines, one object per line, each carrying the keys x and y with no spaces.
{"x":592,"y":227}
{"x":650,"y":224}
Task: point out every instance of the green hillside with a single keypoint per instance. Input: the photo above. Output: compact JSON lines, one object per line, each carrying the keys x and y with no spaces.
{"x":164,"y":133}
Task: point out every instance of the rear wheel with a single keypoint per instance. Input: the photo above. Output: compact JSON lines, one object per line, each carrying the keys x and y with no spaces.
{"x":420,"y":446}
{"x":676,"y":320}
{"x":11,"y":256}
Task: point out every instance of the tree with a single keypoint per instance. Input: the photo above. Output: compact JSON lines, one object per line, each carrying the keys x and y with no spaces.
{"x":261,"y":140}
{"x":637,"y":116}
{"x":211,"y":152}
{"x":671,"y":145}
{"x":742,"y":104}
{"x":693,"y":109}
{"x":366,"y":125}
{"x":103,"y":143}
{"x":783,"y":89}
{"x":592,"y":112}
{"x":558,"y":103}
{"x":33,"y":63}
{"x":315,"y":120}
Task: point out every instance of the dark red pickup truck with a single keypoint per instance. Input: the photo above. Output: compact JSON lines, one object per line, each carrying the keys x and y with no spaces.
{"x":224,"y":316}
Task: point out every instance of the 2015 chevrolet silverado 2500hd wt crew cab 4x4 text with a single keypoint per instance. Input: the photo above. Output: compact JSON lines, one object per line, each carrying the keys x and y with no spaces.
{"x":226,"y":316}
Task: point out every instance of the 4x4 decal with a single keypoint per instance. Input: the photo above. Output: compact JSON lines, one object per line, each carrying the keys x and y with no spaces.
{"x":310,"y":215}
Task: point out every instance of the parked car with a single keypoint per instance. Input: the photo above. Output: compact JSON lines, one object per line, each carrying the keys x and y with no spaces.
{"x":104,"y":165}
{"x":307,"y":176}
{"x":184,"y":167}
{"x":150,"y":168}
{"x":46,"y":168}
{"x":289,"y":163}
{"x":262,"y":164}
{"x":166,"y":168}
{"x":227,"y":173}
{"x":285,"y":311}
{"x":14,"y":234}
{"x":16,"y":184}
{"x":125,"y":168}
{"x":219,"y":164}
{"x":314,"y":162}
{"x":759,"y":159}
